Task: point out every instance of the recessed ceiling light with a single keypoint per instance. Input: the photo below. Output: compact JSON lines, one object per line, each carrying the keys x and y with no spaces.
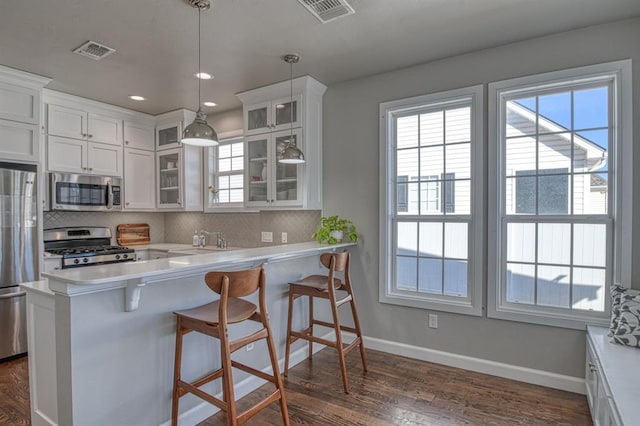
{"x":209,"y":104}
{"x":203,"y":75}
{"x":137,"y":98}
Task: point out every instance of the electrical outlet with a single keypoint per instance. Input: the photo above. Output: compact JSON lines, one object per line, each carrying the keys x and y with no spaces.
{"x":249,"y":347}
{"x":284,"y":237}
{"x":267,"y":237}
{"x":433,"y":321}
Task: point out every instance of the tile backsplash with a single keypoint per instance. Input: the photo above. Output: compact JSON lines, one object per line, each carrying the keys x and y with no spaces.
{"x":240,"y":229}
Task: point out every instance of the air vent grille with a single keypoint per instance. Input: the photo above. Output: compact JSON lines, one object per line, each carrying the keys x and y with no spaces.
{"x":94,"y":50}
{"x":328,"y":10}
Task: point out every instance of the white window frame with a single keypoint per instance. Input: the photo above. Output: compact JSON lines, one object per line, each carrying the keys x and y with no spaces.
{"x":473,"y":303}
{"x":620,"y":196}
{"x":227,"y":137}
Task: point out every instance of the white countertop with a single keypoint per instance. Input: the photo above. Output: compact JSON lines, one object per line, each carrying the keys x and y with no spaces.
{"x":620,"y":364}
{"x":41,"y":286}
{"x":159,"y":268}
{"x":162,"y":246}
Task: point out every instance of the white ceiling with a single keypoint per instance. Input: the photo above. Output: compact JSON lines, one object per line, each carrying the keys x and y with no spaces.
{"x":244,"y":40}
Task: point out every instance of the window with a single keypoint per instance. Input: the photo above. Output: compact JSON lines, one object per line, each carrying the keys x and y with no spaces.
{"x":431,"y":221}
{"x":557,"y":173}
{"x":225,"y":171}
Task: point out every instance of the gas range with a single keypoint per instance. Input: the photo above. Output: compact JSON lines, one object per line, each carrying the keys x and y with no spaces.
{"x":85,"y":246}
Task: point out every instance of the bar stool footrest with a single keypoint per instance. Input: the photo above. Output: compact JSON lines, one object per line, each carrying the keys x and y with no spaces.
{"x":253,"y":371}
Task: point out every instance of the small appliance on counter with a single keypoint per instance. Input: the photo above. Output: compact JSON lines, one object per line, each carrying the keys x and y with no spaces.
{"x":85,"y":246}
{"x":18,"y":252}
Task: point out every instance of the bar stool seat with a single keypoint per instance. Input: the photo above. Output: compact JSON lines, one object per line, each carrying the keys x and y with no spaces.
{"x":212,"y":319}
{"x":326,"y":287}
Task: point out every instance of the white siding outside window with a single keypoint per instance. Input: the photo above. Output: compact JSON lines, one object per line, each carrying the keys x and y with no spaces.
{"x":431,"y":204}
{"x":559,"y":189}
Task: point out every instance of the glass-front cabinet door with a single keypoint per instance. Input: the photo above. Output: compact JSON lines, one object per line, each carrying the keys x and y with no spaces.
{"x":168,"y":135}
{"x":273,"y":116}
{"x":287,"y":176}
{"x":258,"y":118}
{"x":270,"y":183}
{"x":257,"y":170}
{"x":169,"y":164}
{"x":285,"y":111}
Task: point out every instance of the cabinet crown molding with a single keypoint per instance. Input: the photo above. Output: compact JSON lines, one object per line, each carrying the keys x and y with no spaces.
{"x":64,"y":99}
{"x":282,"y":89}
{"x":22,"y":78}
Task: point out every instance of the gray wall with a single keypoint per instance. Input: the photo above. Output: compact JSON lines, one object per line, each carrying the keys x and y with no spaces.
{"x":351,"y":156}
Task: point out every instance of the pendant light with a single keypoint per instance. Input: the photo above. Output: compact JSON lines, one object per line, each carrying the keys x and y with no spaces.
{"x":291,"y":154}
{"x":199,"y":133}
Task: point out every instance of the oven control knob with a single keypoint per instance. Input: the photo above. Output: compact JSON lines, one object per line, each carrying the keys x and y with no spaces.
{"x":76,"y":261}
{"x":117,"y":256}
{"x":85,"y":260}
{"x":125,"y":256}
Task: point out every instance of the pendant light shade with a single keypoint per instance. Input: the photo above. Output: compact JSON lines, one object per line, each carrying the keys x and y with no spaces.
{"x":199,"y":133}
{"x":291,"y":154}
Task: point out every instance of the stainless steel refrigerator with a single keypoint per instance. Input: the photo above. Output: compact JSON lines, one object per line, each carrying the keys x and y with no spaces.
{"x":18,"y":252}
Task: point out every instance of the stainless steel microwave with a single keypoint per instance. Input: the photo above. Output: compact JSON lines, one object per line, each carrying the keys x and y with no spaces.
{"x":85,"y":192}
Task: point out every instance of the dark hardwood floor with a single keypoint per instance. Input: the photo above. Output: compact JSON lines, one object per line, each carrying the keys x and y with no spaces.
{"x":14,"y":392}
{"x":402,"y":391}
{"x":395,"y":391}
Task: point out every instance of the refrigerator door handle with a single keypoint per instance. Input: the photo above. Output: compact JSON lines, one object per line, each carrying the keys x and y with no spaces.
{"x":12,"y":295}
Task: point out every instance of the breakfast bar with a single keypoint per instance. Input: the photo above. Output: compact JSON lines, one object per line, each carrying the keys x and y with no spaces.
{"x":103,"y":336}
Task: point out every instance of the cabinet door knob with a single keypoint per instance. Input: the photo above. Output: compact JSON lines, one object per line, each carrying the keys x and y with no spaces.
{"x":128,"y":203}
{"x":592,"y":367}
{"x":84,"y":135}
{"x":126,"y":142}
{"x":90,"y":136}
{"x":90,"y":168}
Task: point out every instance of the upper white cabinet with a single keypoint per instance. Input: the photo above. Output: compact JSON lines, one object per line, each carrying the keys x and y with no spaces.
{"x":20,"y":115}
{"x":83,"y":157}
{"x":80,"y":124}
{"x":179,"y":172}
{"x":272,"y":184}
{"x":168,"y":135}
{"x":267,"y":128}
{"x":139,"y":136}
{"x":270,"y":116}
{"x":139,"y":178}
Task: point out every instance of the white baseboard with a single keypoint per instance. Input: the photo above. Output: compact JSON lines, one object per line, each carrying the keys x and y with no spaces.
{"x":205,"y":410}
{"x":508,"y":371}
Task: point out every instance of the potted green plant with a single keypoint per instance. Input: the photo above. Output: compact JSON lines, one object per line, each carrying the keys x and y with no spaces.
{"x":333,"y":229}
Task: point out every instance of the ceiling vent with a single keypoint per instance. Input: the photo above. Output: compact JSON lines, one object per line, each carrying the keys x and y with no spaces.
{"x":328,"y":10}
{"x":94,"y":50}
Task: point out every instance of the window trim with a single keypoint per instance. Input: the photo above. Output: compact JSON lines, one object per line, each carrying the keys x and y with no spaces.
{"x":473,"y":303}
{"x":620,"y":219}
{"x":224,"y":208}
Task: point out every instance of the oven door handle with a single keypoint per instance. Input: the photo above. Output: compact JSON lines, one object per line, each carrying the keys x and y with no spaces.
{"x":109,"y":195}
{"x":12,"y":295}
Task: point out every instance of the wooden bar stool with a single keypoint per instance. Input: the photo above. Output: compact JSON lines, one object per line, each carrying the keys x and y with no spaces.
{"x":212,"y":319}
{"x":324,"y":287}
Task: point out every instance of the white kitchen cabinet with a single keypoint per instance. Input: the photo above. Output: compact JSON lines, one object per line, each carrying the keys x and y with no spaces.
{"x":273,"y":115}
{"x":20,"y":94}
{"x":85,"y":125}
{"x":78,"y":156}
{"x":612,"y":380}
{"x":139,"y":136}
{"x":267,"y":128}
{"x":168,"y":135}
{"x":269,"y":183}
{"x":179,"y":172}
{"x":19,"y":141}
{"x":139,"y":177}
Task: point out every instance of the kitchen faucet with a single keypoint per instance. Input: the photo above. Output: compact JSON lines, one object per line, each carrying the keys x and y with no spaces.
{"x":221,"y":242}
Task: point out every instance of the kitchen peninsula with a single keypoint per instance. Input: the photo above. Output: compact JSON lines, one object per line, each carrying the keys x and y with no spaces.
{"x":103,"y":336}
